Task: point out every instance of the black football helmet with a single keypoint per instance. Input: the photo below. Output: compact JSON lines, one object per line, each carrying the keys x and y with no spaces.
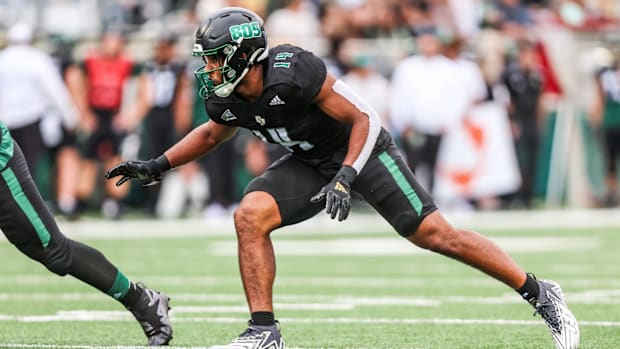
{"x":234,"y":36}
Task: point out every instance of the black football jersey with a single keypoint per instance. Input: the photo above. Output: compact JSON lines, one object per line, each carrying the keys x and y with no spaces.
{"x":164,"y":78}
{"x":285,"y":113}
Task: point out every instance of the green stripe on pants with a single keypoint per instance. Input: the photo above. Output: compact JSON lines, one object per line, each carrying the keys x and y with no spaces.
{"x":401,"y":181}
{"x":22,"y":201}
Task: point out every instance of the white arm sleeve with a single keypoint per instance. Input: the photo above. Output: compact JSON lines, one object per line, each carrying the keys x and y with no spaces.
{"x":374,"y":123}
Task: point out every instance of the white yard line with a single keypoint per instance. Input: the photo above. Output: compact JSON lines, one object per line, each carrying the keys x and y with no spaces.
{"x":119,"y":316}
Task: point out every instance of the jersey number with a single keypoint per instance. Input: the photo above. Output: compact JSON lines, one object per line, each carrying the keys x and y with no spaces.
{"x":280,"y":135}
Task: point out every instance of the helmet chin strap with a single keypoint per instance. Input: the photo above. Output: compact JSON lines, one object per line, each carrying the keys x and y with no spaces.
{"x":227,"y":90}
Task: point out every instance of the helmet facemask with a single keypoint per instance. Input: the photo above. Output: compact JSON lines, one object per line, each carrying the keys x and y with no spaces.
{"x":222,"y":54}
{"x":235,"y":65}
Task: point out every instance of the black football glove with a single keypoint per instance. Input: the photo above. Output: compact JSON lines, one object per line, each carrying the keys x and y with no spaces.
{"x":337,"y":193}
{"x":150,"y":170}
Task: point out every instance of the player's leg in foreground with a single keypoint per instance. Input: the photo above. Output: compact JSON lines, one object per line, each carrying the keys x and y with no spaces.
{"x":424,"y":226}
{"x":28,"y":224}
{"x":255,"y":218}
{"x":280,"y":196}
{"x":481,"y":253}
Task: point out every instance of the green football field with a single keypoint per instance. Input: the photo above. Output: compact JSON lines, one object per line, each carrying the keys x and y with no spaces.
{"x":363,"y":287}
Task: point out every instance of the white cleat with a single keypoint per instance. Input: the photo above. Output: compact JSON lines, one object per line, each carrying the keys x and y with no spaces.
{"x":559,"y":319}
{"x":256,"y":337}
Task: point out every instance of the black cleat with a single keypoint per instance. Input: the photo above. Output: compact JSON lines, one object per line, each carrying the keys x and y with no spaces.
{"x":151,"y":311}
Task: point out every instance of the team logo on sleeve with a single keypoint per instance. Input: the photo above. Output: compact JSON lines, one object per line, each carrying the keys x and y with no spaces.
{"x":275,"y":101}
{"x":227,"y":115}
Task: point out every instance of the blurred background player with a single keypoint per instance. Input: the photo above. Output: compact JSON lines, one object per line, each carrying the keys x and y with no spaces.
{"x":524,"y":82}
{"x":66,"y":153}
{"x":418,"y":110}
{"x":605,"y":116}
{"x":162,"y":114}
{"x":106,"y":69}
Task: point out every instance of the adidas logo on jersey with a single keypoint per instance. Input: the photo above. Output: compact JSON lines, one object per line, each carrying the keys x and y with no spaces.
{"x":276,"y":101}
{"x":227,"y":115}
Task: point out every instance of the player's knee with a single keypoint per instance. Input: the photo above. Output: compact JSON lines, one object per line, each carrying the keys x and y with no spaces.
{"x":59,"y":257}
{"x":247,"y":220}
{"x":440,"y":239}
{"x":256,"y":215}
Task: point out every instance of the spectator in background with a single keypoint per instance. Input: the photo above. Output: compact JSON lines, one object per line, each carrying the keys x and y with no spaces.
{"x":66,"y":153}
{"x":373,"y":18}
{"x":418,"y":107}
{"x":524,"y":82}
{"x":297,"y":23}
{"x":468,"y":84}
{"x":30,"y":87}
{"x":466,"y":15}
{"x":107,"y":69}
{"x":512,"y":12}
{"x":162,"y":110}
{"x":367,"y":83}
{"x":417,"y":15}
{"x":512,"y":18}
{"x":605,"y":115}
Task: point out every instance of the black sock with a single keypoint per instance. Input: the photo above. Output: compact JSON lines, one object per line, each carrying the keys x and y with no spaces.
{"x":263,"y":318}
{"x":132,"y":296}
{"x":530,"y":290}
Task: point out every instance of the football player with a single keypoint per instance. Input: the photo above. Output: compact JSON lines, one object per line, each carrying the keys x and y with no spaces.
{"x":28,"y":224}
{"x":284,"y":95}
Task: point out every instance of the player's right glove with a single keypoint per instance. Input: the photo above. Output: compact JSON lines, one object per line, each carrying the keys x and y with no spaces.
{"x":150,"y":170}
{"x":337,"y":193}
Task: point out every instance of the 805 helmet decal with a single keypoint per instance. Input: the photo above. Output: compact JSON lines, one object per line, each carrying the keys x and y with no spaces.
{"x":235,"y":38}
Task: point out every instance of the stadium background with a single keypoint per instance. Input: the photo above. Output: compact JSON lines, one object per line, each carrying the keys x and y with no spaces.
{"x":338,"y":285}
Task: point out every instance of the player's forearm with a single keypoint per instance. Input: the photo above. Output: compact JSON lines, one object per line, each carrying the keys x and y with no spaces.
{"x":359,"y":135}
{"x":194,"y":145}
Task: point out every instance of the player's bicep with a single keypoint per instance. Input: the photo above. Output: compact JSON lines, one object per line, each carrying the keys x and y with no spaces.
{"x":217,"y":133}
{"x":336,"y":104}
{"x":340,"y":102}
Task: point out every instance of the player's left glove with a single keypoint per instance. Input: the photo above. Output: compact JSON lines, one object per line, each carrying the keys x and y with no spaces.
{"x":150,"y":170}
{"x":337,"y":193}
